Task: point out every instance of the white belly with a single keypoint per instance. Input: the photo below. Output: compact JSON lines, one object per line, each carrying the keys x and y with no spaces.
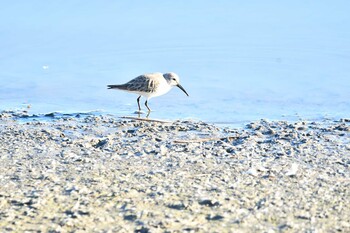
{"x":162,"y":89}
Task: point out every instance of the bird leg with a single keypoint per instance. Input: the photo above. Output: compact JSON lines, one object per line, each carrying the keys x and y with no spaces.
{"x":138,"y":103}
{"x":147,"y":106}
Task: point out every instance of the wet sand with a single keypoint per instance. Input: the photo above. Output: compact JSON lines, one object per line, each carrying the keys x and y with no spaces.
{"x":105,"y":174}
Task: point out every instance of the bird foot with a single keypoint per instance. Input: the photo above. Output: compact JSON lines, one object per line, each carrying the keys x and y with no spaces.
{"x":139,"y":112}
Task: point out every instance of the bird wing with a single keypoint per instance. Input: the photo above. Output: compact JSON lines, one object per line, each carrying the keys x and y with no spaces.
{"x":143,"y":83}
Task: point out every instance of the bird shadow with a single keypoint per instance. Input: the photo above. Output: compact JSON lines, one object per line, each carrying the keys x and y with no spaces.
{"x":139,"y":113}
{"x":146,"y":118}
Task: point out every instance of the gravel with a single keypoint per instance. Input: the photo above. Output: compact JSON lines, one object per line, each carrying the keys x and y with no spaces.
{"x":100,"y":173}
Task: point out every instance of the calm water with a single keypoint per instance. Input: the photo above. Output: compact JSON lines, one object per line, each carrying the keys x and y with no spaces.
{"x":238,"y":61}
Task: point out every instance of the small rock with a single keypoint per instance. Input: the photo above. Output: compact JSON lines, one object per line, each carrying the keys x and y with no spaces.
{"x":252,"y":171}
{"x":177,"y":206}
{"x":102,"y":144}
{"x":293,"y":170}
{"x":214,"y":218}
{"x":163,"y":150}
{"x":130,"y":217}
{"x":209,"y":203}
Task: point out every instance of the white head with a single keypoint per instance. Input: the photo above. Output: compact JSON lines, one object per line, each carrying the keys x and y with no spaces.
{"x":174,"y":80}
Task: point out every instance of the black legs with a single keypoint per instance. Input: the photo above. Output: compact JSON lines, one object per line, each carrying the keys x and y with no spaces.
{"x":138,"y":103}
{"x":147,"y":106}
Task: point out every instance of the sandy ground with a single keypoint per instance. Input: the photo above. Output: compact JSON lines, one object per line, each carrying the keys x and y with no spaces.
{"x":104,"y":174}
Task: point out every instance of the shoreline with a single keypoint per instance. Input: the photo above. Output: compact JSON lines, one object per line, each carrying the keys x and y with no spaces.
{"x":99,"y":173}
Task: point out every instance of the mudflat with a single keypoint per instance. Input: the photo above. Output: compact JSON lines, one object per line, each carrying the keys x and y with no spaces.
{"x":105,"y":174}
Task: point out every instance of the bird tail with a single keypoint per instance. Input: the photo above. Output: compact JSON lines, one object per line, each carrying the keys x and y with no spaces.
{"x":114,"y":86}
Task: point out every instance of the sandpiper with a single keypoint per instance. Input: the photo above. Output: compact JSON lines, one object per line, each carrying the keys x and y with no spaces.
{"x":150,"y":85}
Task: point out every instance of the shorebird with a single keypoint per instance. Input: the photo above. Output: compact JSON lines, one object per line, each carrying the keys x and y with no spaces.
{"x":150,"y":85}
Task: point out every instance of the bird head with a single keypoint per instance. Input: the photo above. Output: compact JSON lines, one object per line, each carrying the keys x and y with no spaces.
{"x":174,"y":80}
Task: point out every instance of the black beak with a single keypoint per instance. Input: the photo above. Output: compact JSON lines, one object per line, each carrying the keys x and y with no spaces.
{"x":179,"y":86}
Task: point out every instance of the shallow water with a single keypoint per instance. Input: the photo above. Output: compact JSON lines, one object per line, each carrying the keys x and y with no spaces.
{"x":238,"y":61}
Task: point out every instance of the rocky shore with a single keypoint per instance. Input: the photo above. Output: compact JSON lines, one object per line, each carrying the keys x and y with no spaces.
{"x":89,"y":173}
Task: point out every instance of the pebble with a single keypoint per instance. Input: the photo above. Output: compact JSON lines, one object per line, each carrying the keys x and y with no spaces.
{"x":99,"y":173}
{"x":292,"y":171}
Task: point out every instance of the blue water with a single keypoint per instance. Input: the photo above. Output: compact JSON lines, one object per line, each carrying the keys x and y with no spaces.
{"x":239,"y":60}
